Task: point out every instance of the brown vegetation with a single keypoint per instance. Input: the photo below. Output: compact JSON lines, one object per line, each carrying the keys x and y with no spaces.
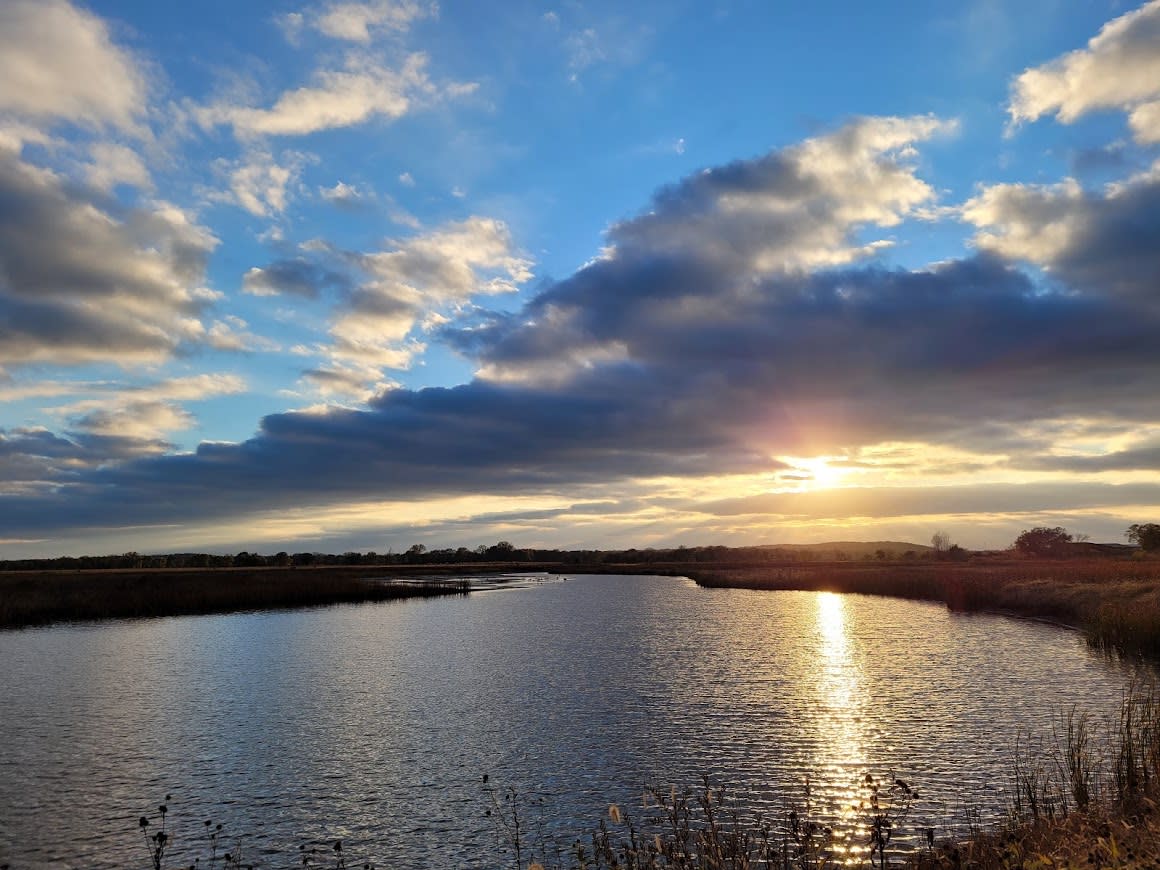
{"x":37,"y":598}
{"x":1116,"y":602}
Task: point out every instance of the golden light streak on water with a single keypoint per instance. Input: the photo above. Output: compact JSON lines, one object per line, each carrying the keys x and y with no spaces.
{"x":841,"y":696}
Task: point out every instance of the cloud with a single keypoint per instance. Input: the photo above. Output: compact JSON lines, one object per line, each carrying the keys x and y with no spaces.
{"x":740,"y":319}
{"x":58,"y":63}
{"x":364,"y":89}
{"x":357,"y":22}
{"x":118,"y":425}
{"x":345,"y":196}
{"x":413,"y":284}
{"x":142,"y":421}
{"x":259,"y":183}
{"x":82,"y":280}
{"x":899,"y":501}
{"x":297,"y":276}
{"x":704,"y":243}
{"x":1119,"y":69}
{"x":1102,"y":242}
{"x":114,"y":164}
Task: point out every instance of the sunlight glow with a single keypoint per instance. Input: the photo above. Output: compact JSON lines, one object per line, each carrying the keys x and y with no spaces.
{"x":841,"y":753}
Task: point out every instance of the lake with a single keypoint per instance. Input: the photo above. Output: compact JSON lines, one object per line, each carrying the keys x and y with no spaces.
{"x":375,"y":724}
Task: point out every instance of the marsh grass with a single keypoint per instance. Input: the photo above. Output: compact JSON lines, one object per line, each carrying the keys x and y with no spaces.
{"x":709,"y":829}
{"x":1116,"y":603}
{"x":38,"y":598}
{"x":1087,"y":800}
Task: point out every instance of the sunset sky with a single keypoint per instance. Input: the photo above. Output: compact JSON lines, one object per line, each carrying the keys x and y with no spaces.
{"x":357,"y":275}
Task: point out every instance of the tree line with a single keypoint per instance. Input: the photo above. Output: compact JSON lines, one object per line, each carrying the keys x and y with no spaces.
{"x":419,"y":554}
{"x":1038,"y":542}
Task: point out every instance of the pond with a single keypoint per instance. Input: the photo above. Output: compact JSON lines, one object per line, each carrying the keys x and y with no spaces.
{"x":376,"y":724}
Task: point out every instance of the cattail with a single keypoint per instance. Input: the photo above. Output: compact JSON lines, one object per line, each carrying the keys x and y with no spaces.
{"x":614,"y":813}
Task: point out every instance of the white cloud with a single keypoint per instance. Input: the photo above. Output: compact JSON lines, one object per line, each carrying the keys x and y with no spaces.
{"x":406,"y":180}
{"x":1027,"y":222}
{"x":144,"y":421}
{"x":343,"y":194}
{"x":1119,"y":69}
{"x":364,"y":89}
{"x":114,"y":164}
{"x":57,"y":62}
{"x":232,"y":333}
{"x":357,"y":22}
{"x":411,"y":286}
{"x":259,"y":182}
{"x":111,"y":395}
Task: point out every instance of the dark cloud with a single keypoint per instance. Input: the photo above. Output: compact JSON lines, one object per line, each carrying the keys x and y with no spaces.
{"x":723,"y":327}
{"x":1104,"y":242}
{"x":899,"y":501}
{"x":84,"y":280}
{"x":1137,"y":459}
{"x":296,"y":276}
{"x":1108,"y":158}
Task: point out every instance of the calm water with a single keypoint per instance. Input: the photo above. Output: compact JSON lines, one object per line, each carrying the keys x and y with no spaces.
{"x":376,"y":723}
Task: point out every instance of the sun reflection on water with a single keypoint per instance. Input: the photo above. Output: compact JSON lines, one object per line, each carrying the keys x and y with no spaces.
{"x":842,"y":732}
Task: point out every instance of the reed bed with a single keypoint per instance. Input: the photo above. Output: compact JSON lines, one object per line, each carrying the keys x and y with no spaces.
{"x":1115,"y":602}
{"x":38,"y":598}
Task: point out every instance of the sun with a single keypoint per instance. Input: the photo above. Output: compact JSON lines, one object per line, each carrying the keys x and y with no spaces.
{"x":822,"y":474}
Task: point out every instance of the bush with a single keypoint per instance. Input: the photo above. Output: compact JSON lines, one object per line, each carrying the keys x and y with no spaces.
{"x":1147,"y":535}
{"x":1043,"y":541}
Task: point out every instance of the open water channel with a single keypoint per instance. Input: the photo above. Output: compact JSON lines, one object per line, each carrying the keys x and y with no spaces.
{"x":375,"y":724}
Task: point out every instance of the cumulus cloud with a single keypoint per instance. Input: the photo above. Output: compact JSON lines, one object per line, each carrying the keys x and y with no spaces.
{"x":116,"y":424}
{"x":1119,"y":69}
{"x":740,"y":319}
{"x":82,"y":280}
{"x":1105,"y":241}
{"x":58,"y":63}
{"x":707,"y":241}
{"x":391,"y":297}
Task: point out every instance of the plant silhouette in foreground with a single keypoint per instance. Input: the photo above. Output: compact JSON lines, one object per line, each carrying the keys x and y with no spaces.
{"x":687,"y":830}
{"x":163,"y":841}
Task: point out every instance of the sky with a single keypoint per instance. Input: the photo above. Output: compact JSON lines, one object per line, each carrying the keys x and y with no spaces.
{"x":358,"y":275}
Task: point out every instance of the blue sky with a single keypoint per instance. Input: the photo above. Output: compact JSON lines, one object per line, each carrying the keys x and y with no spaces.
{"x":355,"y":275}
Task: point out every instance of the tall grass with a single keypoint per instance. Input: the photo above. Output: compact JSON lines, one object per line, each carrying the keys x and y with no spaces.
{"x":1115,"y":602}
{"x":37,"y":598}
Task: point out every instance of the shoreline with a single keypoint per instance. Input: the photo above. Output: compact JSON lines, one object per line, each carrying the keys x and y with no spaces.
{"x":1114,"y":603}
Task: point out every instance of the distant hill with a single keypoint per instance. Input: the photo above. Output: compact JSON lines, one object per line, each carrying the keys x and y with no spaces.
{"x":853,"y":549}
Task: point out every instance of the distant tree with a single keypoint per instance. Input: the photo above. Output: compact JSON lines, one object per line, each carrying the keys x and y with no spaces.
{"x":1043,"y":541}
{"x":1146,"y":535}
{"x":940,"y":541}
{"x":880,"y":555}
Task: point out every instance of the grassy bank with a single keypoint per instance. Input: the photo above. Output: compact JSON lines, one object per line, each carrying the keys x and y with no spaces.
{"x":1116,"y":603}
{"x":41,"y":597}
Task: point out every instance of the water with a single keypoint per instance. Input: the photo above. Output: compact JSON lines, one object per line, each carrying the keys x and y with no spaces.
{"x":375,"y":724}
